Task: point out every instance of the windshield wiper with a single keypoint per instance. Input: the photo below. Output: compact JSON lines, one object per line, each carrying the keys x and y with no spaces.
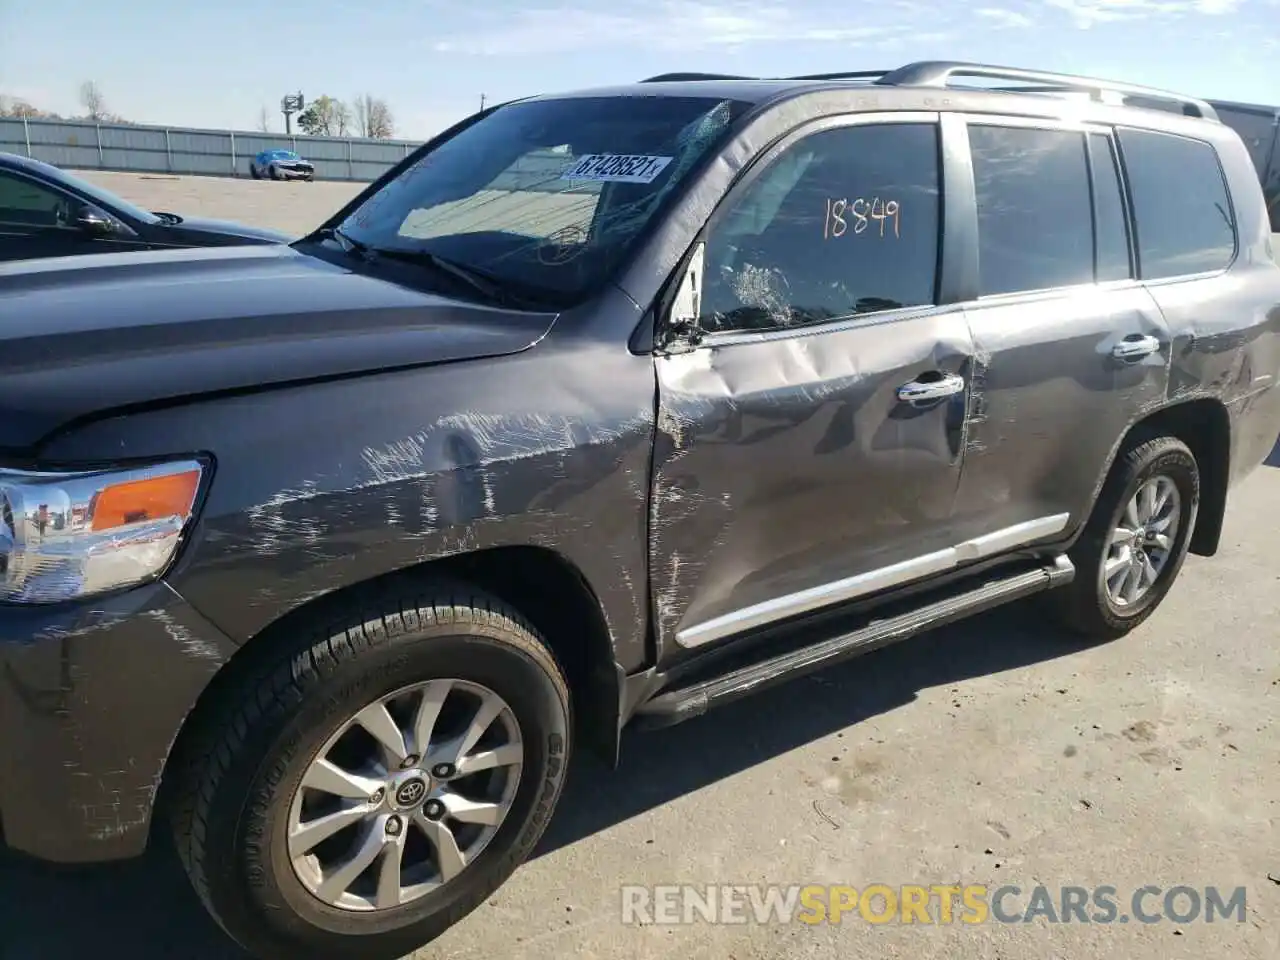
{"x":494,"y":289}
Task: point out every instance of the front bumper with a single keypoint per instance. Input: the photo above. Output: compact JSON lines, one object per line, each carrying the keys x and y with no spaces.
{"x":296,"y":173}
{"x":92,"y":697}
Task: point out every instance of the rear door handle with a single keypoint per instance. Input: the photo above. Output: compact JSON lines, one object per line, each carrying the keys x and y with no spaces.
{"x":935,"y":387}
{"x":1135,"y":347}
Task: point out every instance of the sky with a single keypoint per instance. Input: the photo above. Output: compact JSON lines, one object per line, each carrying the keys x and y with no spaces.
{"x":218,"y":64}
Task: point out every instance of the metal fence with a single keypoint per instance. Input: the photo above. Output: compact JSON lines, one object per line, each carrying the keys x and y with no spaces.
{"x":78,"y":144}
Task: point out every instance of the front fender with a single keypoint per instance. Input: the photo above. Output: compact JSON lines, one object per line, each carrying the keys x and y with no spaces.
{"x":322,"y":487}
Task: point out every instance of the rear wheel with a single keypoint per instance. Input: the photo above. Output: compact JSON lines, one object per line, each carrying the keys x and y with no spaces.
{"x":253,"y":171}
{"x":360,"y":796}
{"x":1134,"y":544}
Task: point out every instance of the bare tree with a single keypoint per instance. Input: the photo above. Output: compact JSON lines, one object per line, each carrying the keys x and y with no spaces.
{"x":94,"y":103}
{"x":264,"y":121}
{"x":373,"y":117}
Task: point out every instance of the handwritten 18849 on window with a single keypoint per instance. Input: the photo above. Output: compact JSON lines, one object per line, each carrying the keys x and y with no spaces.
{"x":874,"y":214}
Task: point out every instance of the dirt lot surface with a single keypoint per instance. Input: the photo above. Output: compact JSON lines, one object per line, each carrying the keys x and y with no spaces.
{"x":996,"y":752}
{"x":294,"y":207}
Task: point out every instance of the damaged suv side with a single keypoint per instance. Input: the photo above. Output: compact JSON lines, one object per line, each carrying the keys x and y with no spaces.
{"x":601,"y":408}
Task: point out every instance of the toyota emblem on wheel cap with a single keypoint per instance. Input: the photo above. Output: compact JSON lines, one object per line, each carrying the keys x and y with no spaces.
{"x":410,"y":792}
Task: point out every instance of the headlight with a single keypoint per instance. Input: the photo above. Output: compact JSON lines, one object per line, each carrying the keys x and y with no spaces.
{"x":69,"y":535}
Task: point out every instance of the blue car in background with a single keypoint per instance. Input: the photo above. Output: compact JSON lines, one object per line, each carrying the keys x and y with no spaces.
{"x":281,"y":165}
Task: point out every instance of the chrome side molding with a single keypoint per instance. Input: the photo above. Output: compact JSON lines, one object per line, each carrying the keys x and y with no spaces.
{"x":873,"y":581}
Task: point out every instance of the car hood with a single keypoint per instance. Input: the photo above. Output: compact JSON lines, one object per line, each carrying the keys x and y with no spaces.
{"x":82,"y":336}
{"x":229,"y":228}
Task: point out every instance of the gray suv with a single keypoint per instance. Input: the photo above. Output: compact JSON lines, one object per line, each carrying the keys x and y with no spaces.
{"x":600,"y":408}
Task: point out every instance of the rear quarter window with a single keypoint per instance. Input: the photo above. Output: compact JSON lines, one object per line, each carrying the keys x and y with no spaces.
{"x":1185,"y":223}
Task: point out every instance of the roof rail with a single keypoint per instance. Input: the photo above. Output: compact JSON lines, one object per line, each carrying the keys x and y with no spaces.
{"x":681,"y":77}
{"x":846,"y":75}
{"x":937,"y":73}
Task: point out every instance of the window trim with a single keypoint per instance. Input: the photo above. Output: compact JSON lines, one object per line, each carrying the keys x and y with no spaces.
{"x":1135,"y":227}
{"x":762,"y":161}
{"x":1064,"y":125}
{"x":1126,"y":204}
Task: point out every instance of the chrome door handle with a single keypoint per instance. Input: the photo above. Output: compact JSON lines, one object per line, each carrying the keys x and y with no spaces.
{"x":1135,"y":347}
{"x":946,"y":385}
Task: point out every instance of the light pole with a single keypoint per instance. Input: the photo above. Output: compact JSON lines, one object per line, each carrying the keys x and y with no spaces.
{"x":289,"y":105}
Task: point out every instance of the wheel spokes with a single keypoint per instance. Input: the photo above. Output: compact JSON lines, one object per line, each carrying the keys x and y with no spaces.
{"x":378,"y":722}
{"x":364,"y":852}
{"x":330,"y":778}
{"x":454,"y":750}
{"x":350,"y":850}
{"x":472,"y":811}
{"x":509,"y":754}
{"x":424,"y":720}
{"x":389,"y":888}
{"x":306,"y":836}
{"x":449,"y":859}
{"x":1117,"y":564}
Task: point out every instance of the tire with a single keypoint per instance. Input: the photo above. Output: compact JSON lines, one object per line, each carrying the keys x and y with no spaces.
{"x":253,"y":172}
{"x":275,"y":174}
{"x":1086,"y":606}
{"x":236,"y":796}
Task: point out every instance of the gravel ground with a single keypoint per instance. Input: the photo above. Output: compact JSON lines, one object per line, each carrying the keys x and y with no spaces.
{"x":994,"y":752}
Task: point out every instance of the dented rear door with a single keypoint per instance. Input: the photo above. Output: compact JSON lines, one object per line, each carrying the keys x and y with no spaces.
{"x":1071,"y":349}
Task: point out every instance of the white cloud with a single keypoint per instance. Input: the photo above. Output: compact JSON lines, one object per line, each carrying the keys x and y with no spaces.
{"x":666,"y":25}
{"x":1004,"y":18}
{"x":1087,"y":13}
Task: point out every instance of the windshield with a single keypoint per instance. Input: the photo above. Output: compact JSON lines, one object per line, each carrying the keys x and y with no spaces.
{"x":548,"y":195}
{"x":283,"y":155}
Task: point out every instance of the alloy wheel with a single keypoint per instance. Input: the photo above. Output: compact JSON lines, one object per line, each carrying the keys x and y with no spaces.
{"x":405,"y":795}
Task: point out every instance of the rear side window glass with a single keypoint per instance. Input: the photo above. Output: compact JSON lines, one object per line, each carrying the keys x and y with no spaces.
{"x":1184,"y":221}
{"x":1035,"y":227}
{"x":1110,"y":223}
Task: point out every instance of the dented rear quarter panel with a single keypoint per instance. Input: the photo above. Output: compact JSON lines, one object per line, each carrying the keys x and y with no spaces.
{"x":1226,"y":328}
{"x":323,"y":486}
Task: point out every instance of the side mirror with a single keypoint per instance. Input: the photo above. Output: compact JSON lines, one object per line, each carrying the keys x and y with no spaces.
{"x":93,"y":221}
{"x":686,"y":307}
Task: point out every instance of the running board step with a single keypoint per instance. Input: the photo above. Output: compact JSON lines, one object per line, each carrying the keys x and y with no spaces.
{"x":687,"y":702}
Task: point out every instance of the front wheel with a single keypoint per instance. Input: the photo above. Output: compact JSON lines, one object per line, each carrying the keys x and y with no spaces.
{"x":1135,"y":542}
{"x":362,"y":795}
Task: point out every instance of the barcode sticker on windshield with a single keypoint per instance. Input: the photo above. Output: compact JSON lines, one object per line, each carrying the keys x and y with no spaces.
{"x":616,"y":168}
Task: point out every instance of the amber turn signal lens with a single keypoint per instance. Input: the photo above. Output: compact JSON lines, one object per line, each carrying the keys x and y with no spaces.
{"x":149,"y":499}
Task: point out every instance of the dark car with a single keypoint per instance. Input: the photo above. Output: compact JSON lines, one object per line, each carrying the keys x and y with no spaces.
{"x":281,"y":165}
{"x":1259,"y":128}
{"x":601,"y":408}
{"x":47,"y":212}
